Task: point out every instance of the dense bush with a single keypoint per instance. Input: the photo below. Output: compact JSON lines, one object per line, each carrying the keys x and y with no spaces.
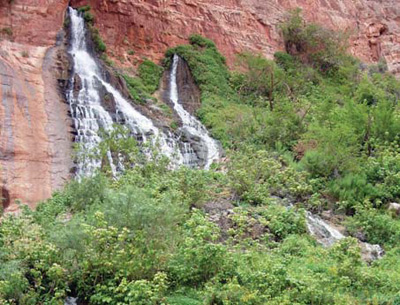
{"x":150,"y":74}
{"x":142,"y":87}
{"x":315,"y":45}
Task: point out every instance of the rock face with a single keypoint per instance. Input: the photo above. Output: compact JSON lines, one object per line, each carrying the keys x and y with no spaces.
{"x":149,"y":27}
{"x":34,"y":125}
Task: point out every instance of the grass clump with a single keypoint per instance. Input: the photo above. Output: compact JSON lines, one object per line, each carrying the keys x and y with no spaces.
{"x":99,"y":44}
{"x":84,"y":8}
{"x":87,"y":16}
{"x":137,"y":90}
{"x":150,"y":74}
{"x":7,"y":31}
{"x":142,"y":87}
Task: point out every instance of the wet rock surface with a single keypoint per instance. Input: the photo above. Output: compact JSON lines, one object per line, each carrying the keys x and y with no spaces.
{"x":189,"y":93}
{"x":327,"y":234}
{"x":394,"y":208}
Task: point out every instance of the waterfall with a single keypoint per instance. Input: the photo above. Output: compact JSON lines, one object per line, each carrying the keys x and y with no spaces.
{"x":322,"y":231}
{"x":90,"y":116}
{"x":71,"y":301}
{"x":327,"y":235}
{"x":191,"y":125}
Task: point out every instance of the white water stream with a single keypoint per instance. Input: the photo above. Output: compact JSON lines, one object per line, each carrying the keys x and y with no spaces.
{"x":191,"y":124}
{"x":327,"y":235}
{"x":89,"y":115}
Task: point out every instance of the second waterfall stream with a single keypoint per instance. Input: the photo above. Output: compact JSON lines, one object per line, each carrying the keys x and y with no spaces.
{"x":191,"y":125}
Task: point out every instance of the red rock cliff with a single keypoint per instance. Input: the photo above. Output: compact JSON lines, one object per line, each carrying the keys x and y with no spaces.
{"x":34,"y":125}
{"x":34,"y":139}
{"x":149,"y":27}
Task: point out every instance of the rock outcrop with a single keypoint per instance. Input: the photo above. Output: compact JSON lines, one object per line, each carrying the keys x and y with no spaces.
{"x":149,"y":27}
{"x":35,"y":147}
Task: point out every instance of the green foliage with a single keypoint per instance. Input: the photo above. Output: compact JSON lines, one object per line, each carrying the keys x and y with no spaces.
{"x":99,"y":44}
{"x":322,"y":48}
{"x":200,"y":41}
{"x":87,"y":15}
{"x":89,"y":18}
{"x":378,"y":226}
{"x":262,"y":78}
{"x":7,"y":31}
{"x":84,"y":8}
{"x":199,"y":257}
{"x":142,"y":87}
{"x":141,"y":292}
{"x":137,"y":90}
{"x":256,"y":176}
{"x":285,"y":61}
{"x":150,"y":74}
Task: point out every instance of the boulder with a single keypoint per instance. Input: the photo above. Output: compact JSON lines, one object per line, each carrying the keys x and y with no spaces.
{"x":394,"y":208}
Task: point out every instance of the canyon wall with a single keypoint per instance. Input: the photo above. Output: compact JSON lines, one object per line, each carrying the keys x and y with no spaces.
{"x":35,"y":145}
{"x":35,"y":139}
{"x":149,"y":27}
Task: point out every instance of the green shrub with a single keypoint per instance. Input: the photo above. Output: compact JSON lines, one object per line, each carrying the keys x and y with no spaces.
{"x":199,"y":257}
{"x":198,"y":40}
{"x":98,"y":42}
{"x":84,"y":8}
{"x":7,"y":30}
{"x":262,"y":78}
{"x":285,"y":61}
{"x":378,"y":227}
{"x":313,"y":44}
{"x":89,"y":18}
{"x":353,"y":189}
{"x":150,"y":74}
{"x":137,"y":89}
{"x":256,"y":176}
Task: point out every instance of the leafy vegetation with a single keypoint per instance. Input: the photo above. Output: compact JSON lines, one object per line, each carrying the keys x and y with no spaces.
{"x":98,"y":42}
{"x":142,"y":87}
{"x":150,"y":73}
{"x":7,"y":31}
{"x":310,"y":130}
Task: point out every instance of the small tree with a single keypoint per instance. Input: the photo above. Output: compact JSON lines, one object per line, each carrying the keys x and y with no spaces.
{"x":261,"y":77}
{"x":314,"y":44}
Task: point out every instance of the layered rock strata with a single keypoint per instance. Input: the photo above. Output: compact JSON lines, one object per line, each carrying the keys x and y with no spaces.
{"x":149,"y":27}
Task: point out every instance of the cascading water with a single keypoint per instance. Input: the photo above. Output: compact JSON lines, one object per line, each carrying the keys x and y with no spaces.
{"x":71,"y":301}
{"x":90,"y":116}
{"x":327,"y":235}
{"x":191,"y":125}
